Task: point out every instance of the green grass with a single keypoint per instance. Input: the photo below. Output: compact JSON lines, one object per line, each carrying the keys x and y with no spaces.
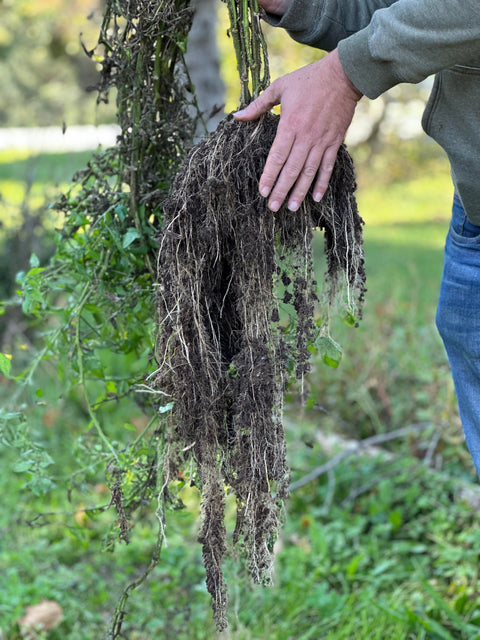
{"x":46,"y":168}
{"x":394,"y":369}
{"x":368,"y":569}
{"x":381,"y":548}
{"x":26,"y":179}
{"x":419,"y":200}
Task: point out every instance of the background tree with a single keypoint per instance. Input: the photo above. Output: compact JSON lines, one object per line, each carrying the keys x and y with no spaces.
{"x":204,"y":64}
{"x":44,"y":70}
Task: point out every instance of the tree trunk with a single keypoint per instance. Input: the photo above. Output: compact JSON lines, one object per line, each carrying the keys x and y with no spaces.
{"x":203,"y":63}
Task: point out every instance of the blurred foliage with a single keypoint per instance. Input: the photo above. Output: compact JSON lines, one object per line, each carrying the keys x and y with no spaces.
{"x":380,"y":548}
{"x":45,"y":72}
{"x":28,"y":184}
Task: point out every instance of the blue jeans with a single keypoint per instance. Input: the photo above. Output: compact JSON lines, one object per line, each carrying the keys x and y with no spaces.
{"x":458,"y":320}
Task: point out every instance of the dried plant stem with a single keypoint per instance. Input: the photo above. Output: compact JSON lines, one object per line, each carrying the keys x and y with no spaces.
{"x":250,"y":48}
{"x":360,"y":446}
{"x":115,"y":630}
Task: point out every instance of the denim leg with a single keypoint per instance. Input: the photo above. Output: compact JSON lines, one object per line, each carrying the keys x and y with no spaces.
{"x":458,"y":321}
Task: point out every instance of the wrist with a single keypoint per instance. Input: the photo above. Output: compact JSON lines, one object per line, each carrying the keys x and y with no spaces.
{"x":355,"y":93}
{"x":275,"y":7}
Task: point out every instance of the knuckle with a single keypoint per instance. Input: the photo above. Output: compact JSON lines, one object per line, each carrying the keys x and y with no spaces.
{"x":298,"y":195}
{"x":263,"y":98}
{"x":310,"y":171}
{"x":277,"y":157}
{"x":322,"y":181}
{"x":292,"y":170}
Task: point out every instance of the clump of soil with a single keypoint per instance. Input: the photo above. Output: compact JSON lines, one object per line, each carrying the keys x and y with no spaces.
{"x":228,"y":268}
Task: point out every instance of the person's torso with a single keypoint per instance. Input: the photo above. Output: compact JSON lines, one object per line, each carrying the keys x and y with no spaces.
{"x":452,"y":118}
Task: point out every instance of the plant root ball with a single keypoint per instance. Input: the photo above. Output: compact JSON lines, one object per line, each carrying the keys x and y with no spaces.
{"x":224,"y":353}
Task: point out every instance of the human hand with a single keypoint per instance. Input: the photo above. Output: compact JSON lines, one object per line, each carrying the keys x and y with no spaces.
{"x":318,"y":102}
{"x":277,"y":7}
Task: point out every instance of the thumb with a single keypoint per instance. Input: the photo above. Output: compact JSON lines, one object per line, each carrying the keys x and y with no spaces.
{"x":265,"y":101}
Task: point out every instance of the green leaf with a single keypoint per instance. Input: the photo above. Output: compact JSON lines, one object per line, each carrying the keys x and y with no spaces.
{"x":130,"y":236}
{"x":182,"y":44}
{"x":22,"y":466}
{"x":353,"y":565}
{"x":121,"y":211}
{"x":5,"y":365}
{"x":11,"y":415}
{"x":111,"y":387}
{"x":433,"y":625}
{"x":351,"y":319}
{"x":396,"y":519}
{"x":35,"y":271}
{"x":145,"y":451}
{"x":329,"y":350}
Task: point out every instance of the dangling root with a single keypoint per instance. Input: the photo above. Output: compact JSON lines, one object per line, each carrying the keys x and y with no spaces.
{"x":224,"y":353}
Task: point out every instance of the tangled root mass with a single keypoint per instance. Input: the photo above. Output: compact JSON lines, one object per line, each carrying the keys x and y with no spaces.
{"x":230,"y":271}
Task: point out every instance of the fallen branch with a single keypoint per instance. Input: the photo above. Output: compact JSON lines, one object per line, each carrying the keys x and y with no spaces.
{"x":361,"y":445}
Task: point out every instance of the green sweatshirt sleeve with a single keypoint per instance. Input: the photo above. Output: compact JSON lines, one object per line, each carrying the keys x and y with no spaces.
{"x":409,"y":41}
{"x":382,"y":43}
{"x":323,"y":23}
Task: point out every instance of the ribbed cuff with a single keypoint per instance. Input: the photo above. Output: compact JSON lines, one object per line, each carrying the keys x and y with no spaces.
{"x":371,"y":77}
{"x":299,"y":14}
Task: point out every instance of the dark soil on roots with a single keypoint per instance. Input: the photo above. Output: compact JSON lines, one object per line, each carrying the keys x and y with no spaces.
{"x":230,"y":272}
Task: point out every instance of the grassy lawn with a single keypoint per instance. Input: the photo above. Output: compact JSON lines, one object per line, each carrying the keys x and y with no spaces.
{"x":381,"y":547}
{"x":26,"y":179}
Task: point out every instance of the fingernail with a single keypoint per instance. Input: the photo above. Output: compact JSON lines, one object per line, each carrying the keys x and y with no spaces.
{"x":239,"y":113}
{"x":318,"y":196}
{"x":293,"y":205}
{"x":274,"y":206}
{"x":265,"y":191}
